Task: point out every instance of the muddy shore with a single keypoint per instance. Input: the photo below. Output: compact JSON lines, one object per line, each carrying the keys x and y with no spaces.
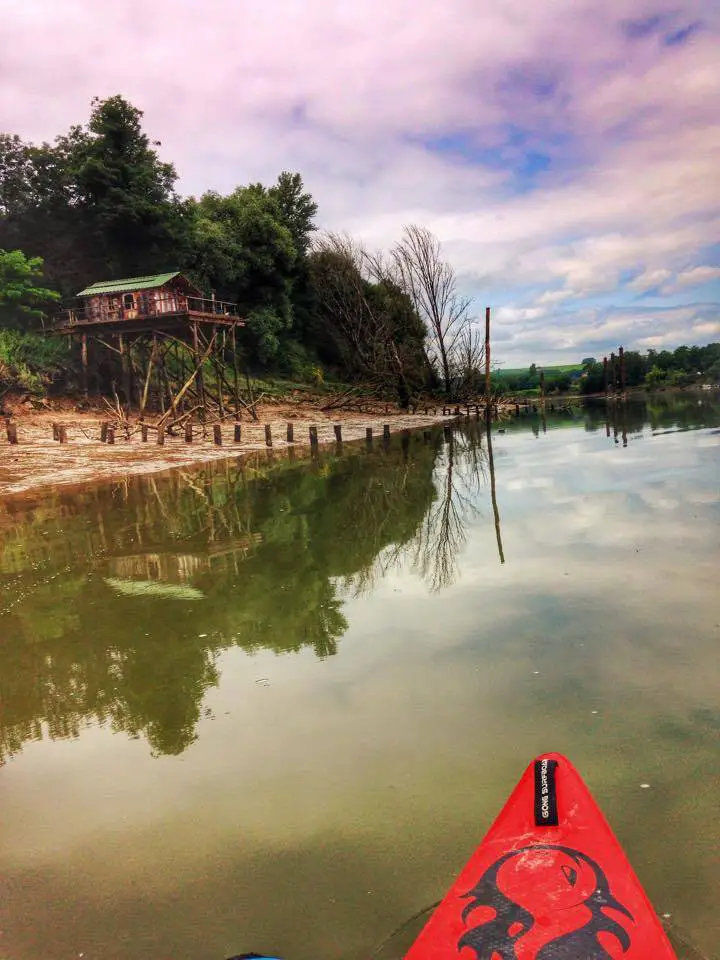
{"x":38,"y":461}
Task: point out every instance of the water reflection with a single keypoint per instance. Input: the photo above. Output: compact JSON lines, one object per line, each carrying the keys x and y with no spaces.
{"x":333,"y":680}
{"x":117,"y":601}
{"x":249,"y":554}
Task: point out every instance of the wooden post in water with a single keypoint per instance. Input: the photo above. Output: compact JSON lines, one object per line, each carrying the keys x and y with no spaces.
{"x":487,"y":360}
{"x":217,"y":434}
{"x":237,"y":436}
{"x":188,"y":433}
{"x":493,"y":495}
{"x":268,"y":435}
{"x":338,"y":432}
{"x":368,"y":436}
{"x":161,"y":436}
{"x":104,"y":431}
{"x":111,"y":436}
{"x":144,"y":433}
{"x":517,"y":409}
{"x":55,"y":431}
{"x":313,"y":437}
{"x":11,"y":430}
{"x":290,"y":433}
{"x":386,"y":431}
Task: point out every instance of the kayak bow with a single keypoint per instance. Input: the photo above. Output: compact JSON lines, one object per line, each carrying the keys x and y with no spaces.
{"x":549,"y":882}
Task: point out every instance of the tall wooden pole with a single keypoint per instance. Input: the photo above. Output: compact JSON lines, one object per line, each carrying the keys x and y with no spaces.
{"x":84,"y":354}
{"x":198,"y":365}
{"x":487,"y":361}
{"x":125,"y":361}
{"x":236,"y":385}
{"x":218,"y":357}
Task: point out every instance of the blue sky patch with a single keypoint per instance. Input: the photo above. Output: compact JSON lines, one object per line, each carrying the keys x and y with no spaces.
{"x":678,"y":37}
{"x":638,"y":29}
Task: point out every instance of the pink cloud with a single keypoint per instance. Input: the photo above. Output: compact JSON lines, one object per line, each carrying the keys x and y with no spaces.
{"x":348,"y":94}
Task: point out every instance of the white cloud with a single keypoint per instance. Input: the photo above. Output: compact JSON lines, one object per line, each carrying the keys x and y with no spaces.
{"x":692,"y":278}
{"x":349,"y":95}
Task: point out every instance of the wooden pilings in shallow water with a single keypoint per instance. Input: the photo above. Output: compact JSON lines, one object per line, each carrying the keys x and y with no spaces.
{"x":217,"y":435}
{"x":268,"y":435}
{"x":313,"y":437}
{"x":237,"y":435}
{"x":11,"y":431}
{"x":290,"y":433}
{"x":338,"y":432}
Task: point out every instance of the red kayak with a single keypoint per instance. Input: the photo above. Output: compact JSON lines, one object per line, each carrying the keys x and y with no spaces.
{"x":548,"y":882}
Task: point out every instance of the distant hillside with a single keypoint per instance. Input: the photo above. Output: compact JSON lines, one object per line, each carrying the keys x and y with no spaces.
{"x":557,"y":368}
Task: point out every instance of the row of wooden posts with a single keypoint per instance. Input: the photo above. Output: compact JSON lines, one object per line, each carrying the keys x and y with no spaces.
{"x":107,"y":433}
{"x":107,"y":430}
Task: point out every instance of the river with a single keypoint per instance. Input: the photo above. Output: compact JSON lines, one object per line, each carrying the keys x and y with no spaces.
{"x":274,"y":705}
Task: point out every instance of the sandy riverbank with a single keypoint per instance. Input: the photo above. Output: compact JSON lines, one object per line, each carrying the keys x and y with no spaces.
{"x":38,"y":461}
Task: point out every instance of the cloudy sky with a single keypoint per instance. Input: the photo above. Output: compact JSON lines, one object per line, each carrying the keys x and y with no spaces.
{"x":567,"y":153}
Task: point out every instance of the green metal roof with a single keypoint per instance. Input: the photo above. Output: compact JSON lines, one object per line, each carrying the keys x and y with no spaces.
{"x":125,"y":286}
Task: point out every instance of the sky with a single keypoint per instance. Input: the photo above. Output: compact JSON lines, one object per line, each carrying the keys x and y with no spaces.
{"x":565,"y":153}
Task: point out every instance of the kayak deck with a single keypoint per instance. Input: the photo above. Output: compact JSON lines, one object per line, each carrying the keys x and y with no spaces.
{"x":549,"y":882}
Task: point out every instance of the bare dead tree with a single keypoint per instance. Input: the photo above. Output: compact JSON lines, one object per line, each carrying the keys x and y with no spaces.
{"x":362,"y":328}
{"x":468,"y":361}
{"x":431,"y":283}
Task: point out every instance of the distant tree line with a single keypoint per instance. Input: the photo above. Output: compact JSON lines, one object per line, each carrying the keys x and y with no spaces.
{"x":665,"y":368}
{"x":99,"y":204}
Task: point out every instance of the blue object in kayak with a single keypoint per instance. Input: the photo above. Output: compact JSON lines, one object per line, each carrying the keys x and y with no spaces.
{"x":252,"y":956}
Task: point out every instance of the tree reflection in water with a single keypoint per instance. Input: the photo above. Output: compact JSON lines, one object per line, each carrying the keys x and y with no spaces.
{"x":118,"y":600}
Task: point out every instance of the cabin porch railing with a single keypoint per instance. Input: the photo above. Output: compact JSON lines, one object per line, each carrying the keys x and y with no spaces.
{"x":150,"y":309}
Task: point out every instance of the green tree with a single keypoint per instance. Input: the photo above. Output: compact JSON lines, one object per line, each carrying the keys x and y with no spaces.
{"x":296,"y":209}
{"x":243,"y":250}
{"x":128,"y":192}
{"x":22,"y":298}
{"x":655,"y":377}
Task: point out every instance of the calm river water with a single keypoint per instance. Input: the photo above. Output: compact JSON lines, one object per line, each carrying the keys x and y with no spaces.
{"x":274,"y":707}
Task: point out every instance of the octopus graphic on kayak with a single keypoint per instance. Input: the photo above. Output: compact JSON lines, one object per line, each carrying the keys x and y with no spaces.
{"x":545,"y":902}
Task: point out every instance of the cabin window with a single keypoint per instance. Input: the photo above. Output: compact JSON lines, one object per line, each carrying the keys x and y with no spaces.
{"x":128,"y":301}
